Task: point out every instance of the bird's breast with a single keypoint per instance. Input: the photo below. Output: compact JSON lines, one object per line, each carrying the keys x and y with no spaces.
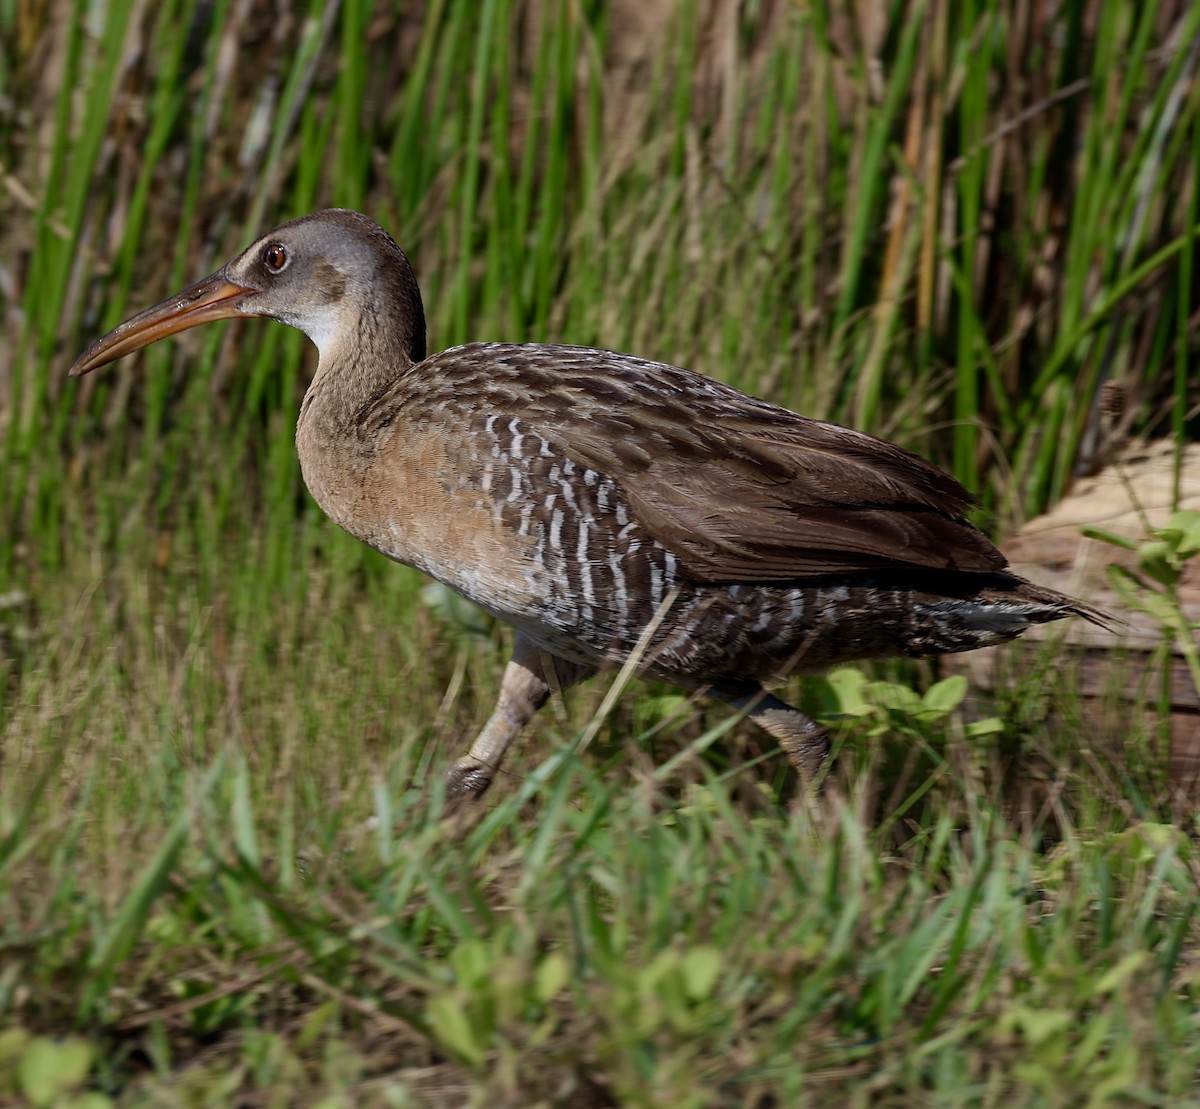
{"x":494,"y":510}
{"x":419,"y":501}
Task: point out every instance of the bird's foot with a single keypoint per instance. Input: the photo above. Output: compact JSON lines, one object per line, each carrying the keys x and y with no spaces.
{"x":467,"y":780}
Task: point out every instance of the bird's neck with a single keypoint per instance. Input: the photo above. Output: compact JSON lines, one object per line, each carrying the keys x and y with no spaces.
{"x":378,"y":335}
{"x":336,"y":437}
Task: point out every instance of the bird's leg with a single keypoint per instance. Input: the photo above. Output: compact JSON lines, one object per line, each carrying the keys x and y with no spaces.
{"x":529,"y":679}
{"x":803,"y":740}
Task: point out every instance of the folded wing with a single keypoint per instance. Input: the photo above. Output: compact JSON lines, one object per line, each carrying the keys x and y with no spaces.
{"x":743,"y":490}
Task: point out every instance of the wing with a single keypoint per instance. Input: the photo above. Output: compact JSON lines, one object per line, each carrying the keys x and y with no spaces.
{"x":736,"y":500}
{"x":736,"y":488}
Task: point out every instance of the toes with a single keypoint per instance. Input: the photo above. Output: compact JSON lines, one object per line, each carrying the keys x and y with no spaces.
{"x":467,"y":779}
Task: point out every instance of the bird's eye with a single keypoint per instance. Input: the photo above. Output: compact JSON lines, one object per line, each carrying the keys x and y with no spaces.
{"x":275,"y":257}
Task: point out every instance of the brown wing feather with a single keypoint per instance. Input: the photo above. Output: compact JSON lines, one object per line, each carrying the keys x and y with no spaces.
{"x":735,"y":487}
{"x":808,"y":499}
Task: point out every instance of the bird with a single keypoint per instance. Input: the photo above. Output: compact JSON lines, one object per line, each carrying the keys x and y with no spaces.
{"x":608,"y":507}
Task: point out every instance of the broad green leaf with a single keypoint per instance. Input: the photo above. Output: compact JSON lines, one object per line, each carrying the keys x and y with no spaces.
{"x":472,"y":962}
{"x":701,"y":969}
{"x":553,"y":972}
{"x":49,"y":1069}
{"x":449,"y":1022}
{"x":1157,"y":560}
{"x":945,"y":696}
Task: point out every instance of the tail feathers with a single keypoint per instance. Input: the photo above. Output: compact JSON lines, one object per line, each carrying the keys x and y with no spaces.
{"x":1003,"y":609}
{"x":1045,"y":605}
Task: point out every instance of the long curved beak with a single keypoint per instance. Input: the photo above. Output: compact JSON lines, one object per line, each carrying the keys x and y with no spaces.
{"x":214,"y":298}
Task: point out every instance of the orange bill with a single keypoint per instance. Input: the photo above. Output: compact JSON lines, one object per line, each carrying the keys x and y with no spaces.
{"x":214,"y":298}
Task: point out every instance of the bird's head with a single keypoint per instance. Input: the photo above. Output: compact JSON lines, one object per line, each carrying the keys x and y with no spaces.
{"x":336,"y":275}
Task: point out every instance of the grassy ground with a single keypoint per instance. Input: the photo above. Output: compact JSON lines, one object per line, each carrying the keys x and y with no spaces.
{"x":225,"y":876}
